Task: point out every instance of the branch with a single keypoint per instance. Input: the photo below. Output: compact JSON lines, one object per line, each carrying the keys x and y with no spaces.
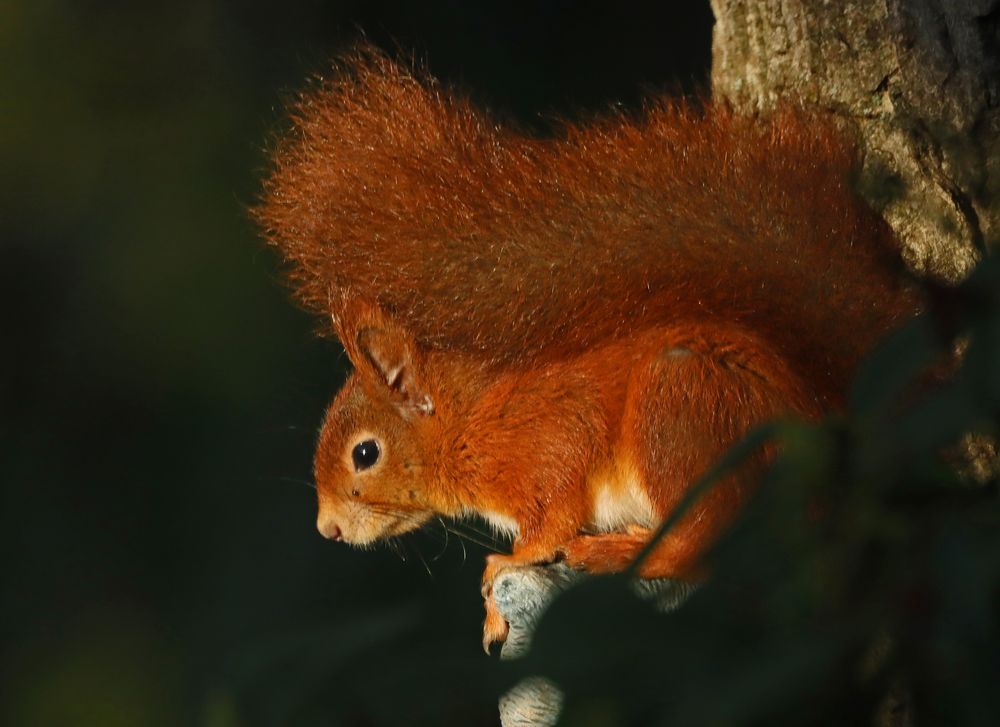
{"x":522,"y":595}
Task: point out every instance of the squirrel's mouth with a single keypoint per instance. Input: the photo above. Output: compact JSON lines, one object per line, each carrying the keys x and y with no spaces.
{"x":368,"y":526}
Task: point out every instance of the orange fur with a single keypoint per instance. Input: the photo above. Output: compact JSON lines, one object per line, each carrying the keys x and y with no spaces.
{"x":563,"y":334}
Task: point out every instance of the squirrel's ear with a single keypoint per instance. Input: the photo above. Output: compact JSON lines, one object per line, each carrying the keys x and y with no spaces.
{"x":388,"y":359}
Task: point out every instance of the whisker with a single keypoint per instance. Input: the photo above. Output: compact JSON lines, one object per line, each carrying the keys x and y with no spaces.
{"x":424,"y":562}
{"x":445,"y":546}
{"x":475,"y":527}
{"x":437,"y":537}
{"x":474,"y":537}
{"x":285,"y":428}
{"x":463,"y":530}
{"x":395,"y":512}
{"x":294,"y":480}
{"x":395,"y":547}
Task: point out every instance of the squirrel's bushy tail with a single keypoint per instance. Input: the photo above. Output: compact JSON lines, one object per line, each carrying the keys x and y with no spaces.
{"x":479,"y":239}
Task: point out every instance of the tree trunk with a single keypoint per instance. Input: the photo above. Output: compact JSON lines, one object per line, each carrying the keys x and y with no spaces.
{"x":919,"y":83}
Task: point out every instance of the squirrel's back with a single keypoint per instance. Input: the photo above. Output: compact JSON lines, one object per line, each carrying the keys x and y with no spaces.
{"x":479,"y":239}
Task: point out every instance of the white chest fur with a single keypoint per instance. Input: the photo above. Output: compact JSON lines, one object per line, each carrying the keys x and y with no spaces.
{"x":618,"y":499}
{"x":503,"y":525}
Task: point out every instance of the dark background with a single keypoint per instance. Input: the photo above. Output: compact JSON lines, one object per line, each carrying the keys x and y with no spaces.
{"x":160,"y":395}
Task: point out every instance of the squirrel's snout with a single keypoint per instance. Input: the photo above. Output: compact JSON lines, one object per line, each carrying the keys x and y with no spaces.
{"x":329,"y":529}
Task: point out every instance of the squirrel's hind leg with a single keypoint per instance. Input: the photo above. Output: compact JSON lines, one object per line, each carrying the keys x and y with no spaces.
{"x":615,"y":552}
{"x":605,"y":552}
{"x":687,"y":404}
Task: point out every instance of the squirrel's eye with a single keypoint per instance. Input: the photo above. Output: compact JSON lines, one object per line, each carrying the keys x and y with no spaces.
{"x":365,"y":454}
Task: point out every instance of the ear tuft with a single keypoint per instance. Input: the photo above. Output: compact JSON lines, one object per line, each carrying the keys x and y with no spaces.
{"x":386,"y":357}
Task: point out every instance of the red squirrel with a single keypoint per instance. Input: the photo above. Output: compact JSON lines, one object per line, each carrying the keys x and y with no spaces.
{"x":559,"y":335}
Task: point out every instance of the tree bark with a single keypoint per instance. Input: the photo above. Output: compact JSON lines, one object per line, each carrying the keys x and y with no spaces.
{"x":919,"y":83}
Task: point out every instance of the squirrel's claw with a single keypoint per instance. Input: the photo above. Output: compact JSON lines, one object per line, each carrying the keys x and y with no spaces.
{"x":495,"y":627}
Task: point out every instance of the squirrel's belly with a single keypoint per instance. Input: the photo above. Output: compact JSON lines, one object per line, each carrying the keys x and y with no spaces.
{"x":617,"y":498}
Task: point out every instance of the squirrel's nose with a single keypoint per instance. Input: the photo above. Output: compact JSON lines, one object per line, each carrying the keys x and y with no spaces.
{"x":329,"y":529}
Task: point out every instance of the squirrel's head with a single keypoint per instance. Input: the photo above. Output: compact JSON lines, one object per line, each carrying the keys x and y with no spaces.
{"x":370,"y":460}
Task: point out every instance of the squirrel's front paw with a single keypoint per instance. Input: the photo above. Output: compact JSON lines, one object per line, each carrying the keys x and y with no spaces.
{"x":495,"y":627}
